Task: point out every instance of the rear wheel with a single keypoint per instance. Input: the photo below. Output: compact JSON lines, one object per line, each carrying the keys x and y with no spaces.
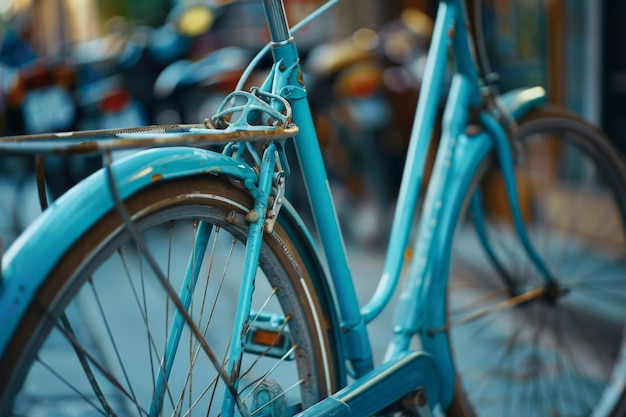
{"x":95,"y":339}
{"x":522,"y":347}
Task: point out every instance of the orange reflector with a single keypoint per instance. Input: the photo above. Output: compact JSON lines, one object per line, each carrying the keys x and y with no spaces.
{"x":267,"y":338}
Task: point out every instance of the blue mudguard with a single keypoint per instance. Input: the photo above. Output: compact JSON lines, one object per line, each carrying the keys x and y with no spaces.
{"x":29,"y":260}
{"x":518,"y":102}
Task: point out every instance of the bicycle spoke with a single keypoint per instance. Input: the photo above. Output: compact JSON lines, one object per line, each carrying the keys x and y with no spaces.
{"x":192,"y":407}
{"x":65,"y":323}
{"x":65,"y":382}
{"x":136,"y":235}
{"x":598,"y":268}
{"x":568,"y":367}
{"x":560,"y":351}
{"x":565,"y":247}
{"x":112,"y":340}
{"x":143,"y":312}
{"x":477,"y":304}
{"x":282,"y":395}
{"x":263,"y":354}
{"x":196,"y":344}
{"x":216,"y":234}
{"x":101,"y":368}
{"x":481,"y":381}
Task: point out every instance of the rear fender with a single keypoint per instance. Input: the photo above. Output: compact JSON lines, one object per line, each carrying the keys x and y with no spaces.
{"x":30,"y":259}
{"x":520,"y":101}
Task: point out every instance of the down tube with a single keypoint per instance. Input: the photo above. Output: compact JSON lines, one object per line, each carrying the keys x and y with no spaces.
{"x":471,"y":153}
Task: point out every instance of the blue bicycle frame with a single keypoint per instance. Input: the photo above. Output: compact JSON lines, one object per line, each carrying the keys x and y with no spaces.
{"x":460,"y":154}
{"x":421,"y":306}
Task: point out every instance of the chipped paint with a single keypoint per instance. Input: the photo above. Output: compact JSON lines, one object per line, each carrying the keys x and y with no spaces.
{"x":156,"y":177}
{"x":144,"y":172}
{"x":93,"y":141}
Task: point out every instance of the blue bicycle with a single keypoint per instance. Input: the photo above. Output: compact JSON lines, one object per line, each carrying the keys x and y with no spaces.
{"x":179,"y":281}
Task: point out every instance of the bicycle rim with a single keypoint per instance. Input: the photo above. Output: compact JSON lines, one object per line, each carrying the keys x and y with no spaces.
{"x":521,"y":347}
{"x":95,"y":338}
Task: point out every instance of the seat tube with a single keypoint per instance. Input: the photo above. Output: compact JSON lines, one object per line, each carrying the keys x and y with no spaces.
{"x":289,"y":84}
{"x":276,"y":20}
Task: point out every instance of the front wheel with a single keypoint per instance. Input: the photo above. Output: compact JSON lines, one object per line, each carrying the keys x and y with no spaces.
{"x":522,"y":347}
{"x":102,"y":337}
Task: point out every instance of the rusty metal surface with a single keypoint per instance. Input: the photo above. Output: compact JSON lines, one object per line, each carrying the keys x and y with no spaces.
{"x":93,"y":141}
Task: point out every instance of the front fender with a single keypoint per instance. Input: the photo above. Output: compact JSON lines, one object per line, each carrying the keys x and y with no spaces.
{"x":33,"y":255}
{"x":519,"y":101}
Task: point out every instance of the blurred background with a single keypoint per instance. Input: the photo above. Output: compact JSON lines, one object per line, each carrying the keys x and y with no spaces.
{"x":97,"y":64}
{"x":86,"y":39}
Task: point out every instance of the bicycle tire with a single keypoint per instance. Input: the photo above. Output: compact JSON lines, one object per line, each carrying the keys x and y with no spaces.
{"x":292,"y":306}
{"x":561,"y":353}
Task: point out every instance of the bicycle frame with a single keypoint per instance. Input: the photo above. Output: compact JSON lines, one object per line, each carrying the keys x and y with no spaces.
{"x":460,"y":155}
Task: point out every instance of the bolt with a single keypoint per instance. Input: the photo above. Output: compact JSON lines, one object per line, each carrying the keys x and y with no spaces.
{"x":252,"y":216}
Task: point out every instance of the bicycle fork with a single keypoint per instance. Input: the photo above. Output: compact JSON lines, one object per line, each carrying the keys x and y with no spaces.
{"x":421,"y":309}
{"x":505,"y":159}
